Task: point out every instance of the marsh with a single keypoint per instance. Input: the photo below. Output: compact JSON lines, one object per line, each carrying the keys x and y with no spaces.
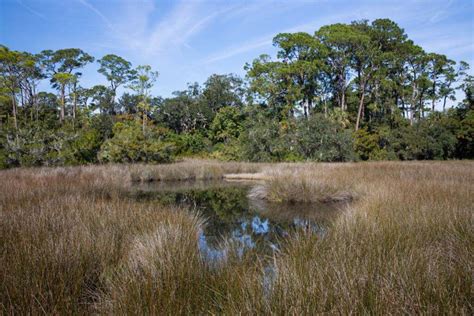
{"x":94,"y":239}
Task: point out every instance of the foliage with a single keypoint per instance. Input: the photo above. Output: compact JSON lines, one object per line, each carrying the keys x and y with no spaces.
{"x":188,"y":144}
{"x":322,"y":139}
{"x":129,"y":144}
{"x":359,"y":90}
{"x":227,"y":125}
{"x":371,"y":146}
{"x":264,"y":139}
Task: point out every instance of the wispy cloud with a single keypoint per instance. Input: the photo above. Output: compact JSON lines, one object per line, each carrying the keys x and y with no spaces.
{"x":32,"y":11}
{"x":267,"y":40}
{"x":175,"y":28}
{"x":442,"y":13}
{"x":137,"y":29}
{"x":98,"y":13}
{"x":241,"y":49}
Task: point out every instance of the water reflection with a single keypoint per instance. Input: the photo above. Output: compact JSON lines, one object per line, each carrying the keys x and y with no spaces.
{"x":235,"y":221}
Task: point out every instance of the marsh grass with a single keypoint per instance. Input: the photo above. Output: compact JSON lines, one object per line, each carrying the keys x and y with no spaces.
{"x":405,"y":246}
{"x":306,"y":183}
{"x":190,"y":169}
{"x":73,"y":242}
{"x":59,"y":242}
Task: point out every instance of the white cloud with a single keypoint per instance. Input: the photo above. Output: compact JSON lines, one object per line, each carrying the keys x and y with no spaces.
{"x":28,"y":8}
{"x":97,"y":12}
{"x":135,"y":27}
{"x":267,"y":40}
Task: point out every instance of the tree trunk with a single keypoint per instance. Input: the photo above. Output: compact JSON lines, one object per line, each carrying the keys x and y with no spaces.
{"x":342,"y":81}
{"x":433,"y":101}
{"x":343,"y":100}
{"x":35,"y":103}
{"x":325,"y":108}
{"x":114,"y":91}
{"x":413,"y":102}
{"x":61,"y":113}
{"x":15,"y":122}
{"x":74,"y":105}
{"x":361,"y":104}
{"x":444,"y":103}
{"x":305,"y":108}
{"x":421,"y":105}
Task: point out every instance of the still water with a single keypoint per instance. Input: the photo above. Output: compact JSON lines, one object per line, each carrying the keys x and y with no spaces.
{"x":234,"y":218}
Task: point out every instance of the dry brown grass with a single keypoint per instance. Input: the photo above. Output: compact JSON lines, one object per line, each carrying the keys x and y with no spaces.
{"x":59,"y":241}
{"x":72,"y":242}
{"x":190,"y":169}
{"x":405,"y":246}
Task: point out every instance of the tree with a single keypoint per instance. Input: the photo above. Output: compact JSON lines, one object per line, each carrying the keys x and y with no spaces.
{"x":185,"y":112}
{"x":301,"y":56}
{"x":19,"y":76}
{"x":59,"y":65}
{"x":365,"y":61}
{"x":303,"y":103}
{"x":227,"y":124}
{"x":142,"y":83}
{"x":268,"y":87}
{"x":322,"y":139}
{"x":128,"y":103}
{"x":9,"y":63}
{"x":62,"y":79}
{"x":130,"y":144}
{"x":441,"y":68}
{"x":221,"y":91}
{"x":339,"y":40}
{"x":117,"y":70}
{"x":100,"y":99}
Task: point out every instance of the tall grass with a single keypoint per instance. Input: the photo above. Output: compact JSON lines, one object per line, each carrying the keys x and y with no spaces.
{"x":405,"y":246}
{"x":306,"y":183}
{"x":59,"y":242}
{"x":72,"y":242}
{"x":190,"y":170}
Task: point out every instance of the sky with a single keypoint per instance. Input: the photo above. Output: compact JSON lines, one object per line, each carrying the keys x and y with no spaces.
{"x":189,"y":40}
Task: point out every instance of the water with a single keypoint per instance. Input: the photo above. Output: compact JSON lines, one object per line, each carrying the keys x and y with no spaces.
{"x":234,"y":221}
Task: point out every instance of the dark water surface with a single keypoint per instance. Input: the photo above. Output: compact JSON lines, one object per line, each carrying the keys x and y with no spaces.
{"x":233,"y":218}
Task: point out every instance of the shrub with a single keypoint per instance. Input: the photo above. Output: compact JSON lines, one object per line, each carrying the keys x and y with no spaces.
{"x":130,"y":144}
{"x":371,"y":146}
{"x":264,"y":140}
{"x":191,"y":143}
{"x":322,"y":139}
{"x":227,"y":124}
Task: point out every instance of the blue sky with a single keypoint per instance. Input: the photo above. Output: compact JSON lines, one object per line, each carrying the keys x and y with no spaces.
{"x":186,"y":41}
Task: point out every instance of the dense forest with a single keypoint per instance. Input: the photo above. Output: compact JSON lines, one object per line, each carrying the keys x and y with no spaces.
{"x":358,"y":91}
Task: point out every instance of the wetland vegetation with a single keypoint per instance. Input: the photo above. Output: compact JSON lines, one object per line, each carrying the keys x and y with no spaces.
{"x":92,"y":240}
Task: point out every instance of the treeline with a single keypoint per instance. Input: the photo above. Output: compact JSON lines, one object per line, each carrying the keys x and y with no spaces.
{"x":348,"y":92}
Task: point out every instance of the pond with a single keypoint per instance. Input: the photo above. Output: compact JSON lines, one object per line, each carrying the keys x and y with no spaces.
{"x":234,"y":217}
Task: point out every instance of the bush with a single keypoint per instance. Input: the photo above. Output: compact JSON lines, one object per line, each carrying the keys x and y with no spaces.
{"x":264,"y":140}
{"x":130,"y":144}
{"x":191,"y":143}
{"x":316,"y":138}
{"x":322,"y":139}
{"x":424,"y":141}
{"x":371,"y":146}
{"x":227,"y":125}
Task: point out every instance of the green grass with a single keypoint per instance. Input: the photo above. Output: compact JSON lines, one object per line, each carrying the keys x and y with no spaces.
{"x":72,"y":242}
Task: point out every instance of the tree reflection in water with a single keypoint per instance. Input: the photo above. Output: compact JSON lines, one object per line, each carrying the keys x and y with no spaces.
{"x":235,"y":222}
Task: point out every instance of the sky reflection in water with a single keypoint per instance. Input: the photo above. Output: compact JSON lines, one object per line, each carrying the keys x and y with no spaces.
{"x":235,"y":222}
